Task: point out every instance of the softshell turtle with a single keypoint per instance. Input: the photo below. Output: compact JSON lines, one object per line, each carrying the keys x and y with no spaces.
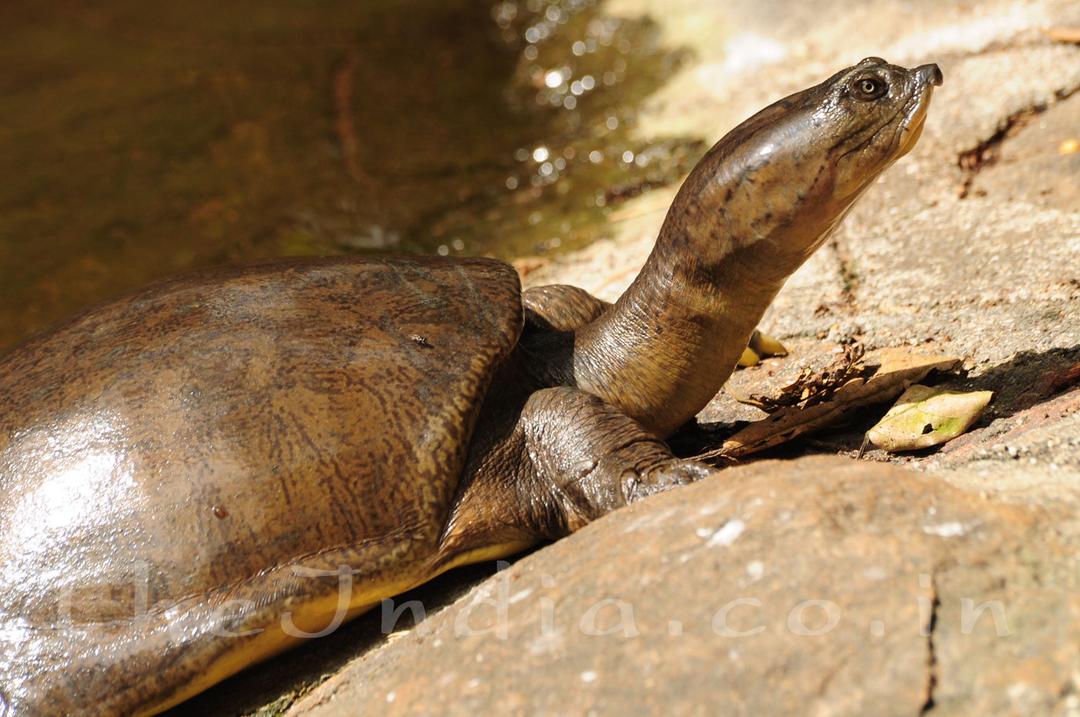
{"x":197,"y":476}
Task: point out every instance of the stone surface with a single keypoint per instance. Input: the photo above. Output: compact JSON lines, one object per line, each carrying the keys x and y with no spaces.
{"x":1032,"y":166}
{"x":820,"y":586}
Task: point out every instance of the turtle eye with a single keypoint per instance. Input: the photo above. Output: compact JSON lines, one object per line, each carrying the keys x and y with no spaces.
{"x":869,"y":88}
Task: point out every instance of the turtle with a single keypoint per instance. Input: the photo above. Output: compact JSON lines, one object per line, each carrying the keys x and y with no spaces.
{"x":204,"y":473}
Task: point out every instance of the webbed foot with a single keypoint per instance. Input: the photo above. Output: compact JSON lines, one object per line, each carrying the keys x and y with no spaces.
{"x":662,"y":477}
{"x":589,"y":459}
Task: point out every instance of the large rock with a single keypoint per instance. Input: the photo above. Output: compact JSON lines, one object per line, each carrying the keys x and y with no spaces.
{"x":820,"y":586}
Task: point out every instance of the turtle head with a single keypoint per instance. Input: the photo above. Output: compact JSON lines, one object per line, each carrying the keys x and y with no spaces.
{"x":829,"y":142}
{"x":784,"y":178}
{"x":871,"y":115}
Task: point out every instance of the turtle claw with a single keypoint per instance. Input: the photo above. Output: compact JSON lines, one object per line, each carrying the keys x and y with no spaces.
{"x":760,"y":346}
{"x":663,"y":477}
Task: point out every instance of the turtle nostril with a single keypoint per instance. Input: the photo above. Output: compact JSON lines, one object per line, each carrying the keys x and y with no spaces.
{"x":930,"y":74}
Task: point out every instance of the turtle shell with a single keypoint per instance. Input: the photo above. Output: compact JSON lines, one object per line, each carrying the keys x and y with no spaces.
{"x":193,"y":437}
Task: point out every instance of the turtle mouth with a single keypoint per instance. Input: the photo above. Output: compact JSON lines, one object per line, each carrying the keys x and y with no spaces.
{"x":912,"y":125}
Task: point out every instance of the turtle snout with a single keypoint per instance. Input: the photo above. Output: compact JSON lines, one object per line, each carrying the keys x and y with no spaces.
{"x":929,"y":74}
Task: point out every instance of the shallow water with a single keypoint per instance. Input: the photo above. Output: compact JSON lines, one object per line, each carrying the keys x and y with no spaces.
{"x":142,"y":139}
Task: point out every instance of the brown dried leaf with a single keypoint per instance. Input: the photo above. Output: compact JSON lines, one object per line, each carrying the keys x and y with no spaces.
{"x":896,"y":370}
{"x":526,"y":265}
{"x":811,"y":388}
{"x":1064,"y":34}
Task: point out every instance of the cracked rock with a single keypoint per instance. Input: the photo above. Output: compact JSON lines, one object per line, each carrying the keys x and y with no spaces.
{"x":844,"y":588}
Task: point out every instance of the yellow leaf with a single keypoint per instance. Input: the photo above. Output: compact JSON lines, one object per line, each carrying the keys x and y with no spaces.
{"x":924,"y":417}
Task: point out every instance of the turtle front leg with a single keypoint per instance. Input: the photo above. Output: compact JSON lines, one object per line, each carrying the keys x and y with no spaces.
{"x":589,"y":459}
{"x":569,"y":459}
{"x":560,"y":307}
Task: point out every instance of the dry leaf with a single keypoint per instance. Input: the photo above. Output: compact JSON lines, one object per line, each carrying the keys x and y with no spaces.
{"x":760,"y":346}
{"x":896,"y":370}
{"x":810,"y":388}
{"x":1066,"y":379}
{"x":1064,"y":34}
{"x":526,"y":265}
{"x":925,"y":417}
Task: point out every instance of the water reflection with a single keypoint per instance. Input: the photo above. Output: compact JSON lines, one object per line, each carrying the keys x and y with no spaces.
{"x":140,"y":139}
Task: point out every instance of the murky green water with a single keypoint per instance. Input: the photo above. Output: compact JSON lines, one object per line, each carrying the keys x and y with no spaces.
{"x":141,"y":139}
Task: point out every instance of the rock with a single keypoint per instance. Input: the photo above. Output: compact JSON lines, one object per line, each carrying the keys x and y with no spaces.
{"x":819,"y":586}
{"x":1031,"y":165}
